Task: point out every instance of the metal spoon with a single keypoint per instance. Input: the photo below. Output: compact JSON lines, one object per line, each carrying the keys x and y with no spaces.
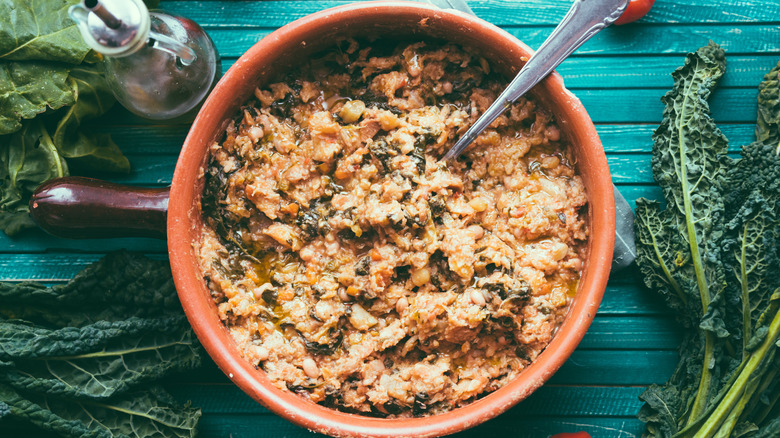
{"x":584,"y":19}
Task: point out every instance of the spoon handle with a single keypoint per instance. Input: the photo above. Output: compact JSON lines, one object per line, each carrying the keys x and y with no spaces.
{"x":584,"y":19}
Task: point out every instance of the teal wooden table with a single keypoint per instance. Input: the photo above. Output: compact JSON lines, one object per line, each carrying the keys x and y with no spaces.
{"x":620,"y":76}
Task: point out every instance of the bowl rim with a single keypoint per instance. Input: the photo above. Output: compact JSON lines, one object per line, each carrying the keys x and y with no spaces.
{"x":183,"y":217}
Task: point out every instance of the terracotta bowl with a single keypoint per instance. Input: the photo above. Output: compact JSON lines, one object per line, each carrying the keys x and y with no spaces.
{"x":287,"y":47}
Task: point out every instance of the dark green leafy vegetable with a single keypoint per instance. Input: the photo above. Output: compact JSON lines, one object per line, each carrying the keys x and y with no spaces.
{"x":72,"y":356}
{"x":30,"y":88}
{"x":714,"y":254}
{"x":142,"y":414}
{"x":84,"y":149}
{"x":27,"y":159}
{"x":40,"y":30}
{"x":48,"y":84}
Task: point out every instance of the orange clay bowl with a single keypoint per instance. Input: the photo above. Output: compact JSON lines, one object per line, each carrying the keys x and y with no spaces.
{"x":282,"y":50}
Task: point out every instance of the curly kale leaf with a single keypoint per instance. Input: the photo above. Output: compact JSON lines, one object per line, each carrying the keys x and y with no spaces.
{"x":96,"y":362}
{"x":771,"y":430}
{"x":688,"y":163}
{"x":662,"y":253}
{"x":717,"y":245}
{"x":72,"y":355}
{"x":115,"y":288}
{"x":665,"y":408}
{"x":768,"y":123}
{"x":752,"y":246}
{"x":144,"y":414}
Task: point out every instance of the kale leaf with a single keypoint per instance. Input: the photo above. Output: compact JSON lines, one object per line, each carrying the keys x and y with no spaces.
{"x":72,"y":356}
{"x":713,"y":254}
{"x":123,"y":355}
{"x":150,"y":413}
{"x":117,"y":287}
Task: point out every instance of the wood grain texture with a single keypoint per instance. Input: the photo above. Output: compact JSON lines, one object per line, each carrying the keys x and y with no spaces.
{"x":276,"y":13}
{"x":269,"y":426}
{"x":637,"y":71}
{"x":580,"y":401}
{"x":655,"y":40}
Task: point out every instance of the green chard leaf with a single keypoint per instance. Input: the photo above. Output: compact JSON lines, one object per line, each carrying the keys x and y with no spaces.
{"x":69,"y":140}
{"x":40,"y":30}
{"x":30,"y":88}
{"x":144,"y":414}
{"x":83,"y":149}
{"x":28,"y":158}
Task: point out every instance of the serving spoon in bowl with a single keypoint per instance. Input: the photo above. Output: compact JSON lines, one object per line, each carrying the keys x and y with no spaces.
{"x":584,"y":19}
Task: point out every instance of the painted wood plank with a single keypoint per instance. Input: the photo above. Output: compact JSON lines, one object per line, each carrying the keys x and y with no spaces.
{"x":633,"y":333}
{"x":630,"y":299}
{"x":728,"y":105}
{"x":269,"y":426}
{"x":637,"y":71}
{"x":632,"y":192}
{"x":37,"y":240}
{"x":648,"y":71}
{"x":544,"y":427}
{"x":616,"y":367}
{"x":500,"y":12}
{"x":738,"y":40}
{"x":50,"y":266}
{"x":605,"y":106}
{"x":238,"y":426}
{"x":602,"y":401}
{"x":638,"y":138}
